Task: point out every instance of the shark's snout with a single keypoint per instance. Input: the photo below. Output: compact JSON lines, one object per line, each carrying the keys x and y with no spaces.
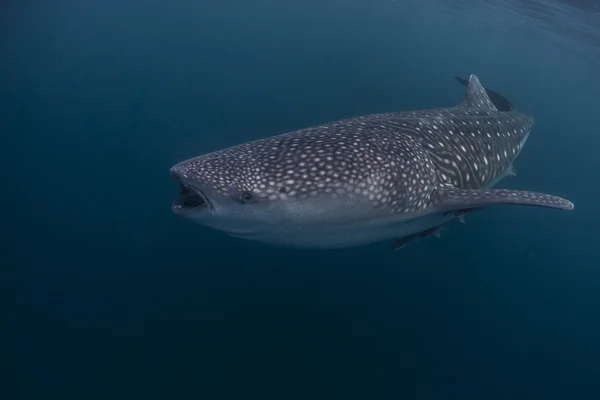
{"x":191,"y":197}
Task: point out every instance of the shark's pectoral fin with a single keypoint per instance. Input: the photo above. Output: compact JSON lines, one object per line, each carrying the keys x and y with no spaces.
{"x":463,"y":199}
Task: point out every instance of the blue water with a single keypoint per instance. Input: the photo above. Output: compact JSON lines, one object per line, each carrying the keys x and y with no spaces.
{"x":111,"y":296}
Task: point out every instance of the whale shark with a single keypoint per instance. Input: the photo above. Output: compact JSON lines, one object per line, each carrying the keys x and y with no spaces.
{"x":393,"y":176}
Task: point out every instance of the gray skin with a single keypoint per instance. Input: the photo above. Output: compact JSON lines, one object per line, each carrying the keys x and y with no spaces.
{"x":361,"y":180}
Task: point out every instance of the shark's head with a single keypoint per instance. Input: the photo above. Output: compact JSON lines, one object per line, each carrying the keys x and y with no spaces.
{"x":309,"y":189}
{"x":232,"y":191}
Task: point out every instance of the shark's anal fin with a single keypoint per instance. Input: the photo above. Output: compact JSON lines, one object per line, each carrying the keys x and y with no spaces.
{"x":460,"y":199}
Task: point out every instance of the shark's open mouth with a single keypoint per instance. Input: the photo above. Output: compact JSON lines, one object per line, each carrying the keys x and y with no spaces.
{"x":190,"y":198}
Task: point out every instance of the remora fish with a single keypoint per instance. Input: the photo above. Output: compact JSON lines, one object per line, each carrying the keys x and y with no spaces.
{"x":399,"y":175}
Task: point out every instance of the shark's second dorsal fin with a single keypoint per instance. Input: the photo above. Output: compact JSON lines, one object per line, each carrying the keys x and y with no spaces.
{"x":477,"y":97}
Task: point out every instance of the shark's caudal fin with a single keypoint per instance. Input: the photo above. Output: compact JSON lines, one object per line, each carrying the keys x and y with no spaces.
{"x":461,"y":199}
{"x":500,"y":102}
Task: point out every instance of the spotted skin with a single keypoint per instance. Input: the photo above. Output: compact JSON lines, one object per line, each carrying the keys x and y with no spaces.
{"x":361,"y":180}
{"x":354,"y":158}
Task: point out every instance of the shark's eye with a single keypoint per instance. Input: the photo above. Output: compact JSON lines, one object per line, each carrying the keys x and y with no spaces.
{"x":245,"y":196}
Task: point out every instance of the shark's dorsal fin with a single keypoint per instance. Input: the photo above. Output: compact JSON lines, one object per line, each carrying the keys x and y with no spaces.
{"x":450,"y":198}
{"x":500,"y":102}
{"x":477,"y":97}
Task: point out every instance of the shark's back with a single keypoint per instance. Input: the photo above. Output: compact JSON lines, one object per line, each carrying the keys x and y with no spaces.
{"x":470,"y":147}
{"x":394,"y":159}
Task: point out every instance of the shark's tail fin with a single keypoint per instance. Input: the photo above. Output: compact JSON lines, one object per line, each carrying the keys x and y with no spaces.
{"x":499,"y":101}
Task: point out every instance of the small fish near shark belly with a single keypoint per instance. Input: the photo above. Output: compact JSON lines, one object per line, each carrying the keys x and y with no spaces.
{"x":435,"y":231}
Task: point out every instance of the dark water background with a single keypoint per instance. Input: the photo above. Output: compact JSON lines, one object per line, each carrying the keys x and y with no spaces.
{"x":111,"y":296}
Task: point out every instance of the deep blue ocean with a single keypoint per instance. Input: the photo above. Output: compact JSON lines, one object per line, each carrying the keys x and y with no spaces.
{"x":109,"y":295}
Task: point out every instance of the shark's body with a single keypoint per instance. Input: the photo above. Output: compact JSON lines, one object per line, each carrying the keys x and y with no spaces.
{"x":362,"y":180}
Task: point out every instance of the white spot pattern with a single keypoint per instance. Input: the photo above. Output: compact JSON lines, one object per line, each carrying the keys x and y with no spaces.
{"x":395,"y":161}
